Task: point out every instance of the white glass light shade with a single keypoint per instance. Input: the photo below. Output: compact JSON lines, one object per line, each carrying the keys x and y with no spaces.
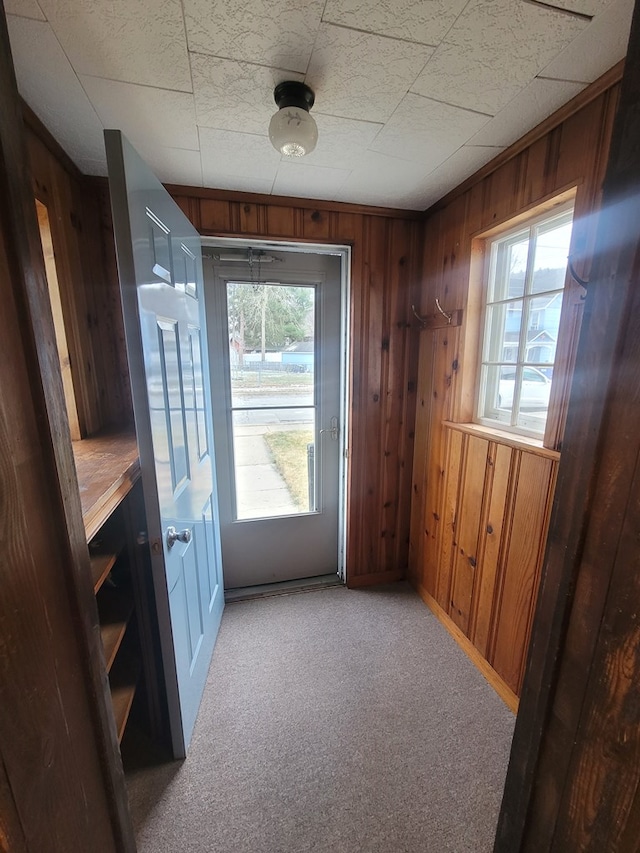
{"x":293,"y":132}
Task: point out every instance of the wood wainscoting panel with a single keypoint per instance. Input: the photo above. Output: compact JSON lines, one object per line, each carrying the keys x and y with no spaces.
{"x":499,"y":489}
{"x":467,"y":536}
{"x":521,"y":569}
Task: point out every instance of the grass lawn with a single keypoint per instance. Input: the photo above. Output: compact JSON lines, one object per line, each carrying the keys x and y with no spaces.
{"x":289,"y":451}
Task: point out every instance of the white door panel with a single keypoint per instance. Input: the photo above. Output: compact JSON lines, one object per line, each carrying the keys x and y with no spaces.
{"x":159,"y":263}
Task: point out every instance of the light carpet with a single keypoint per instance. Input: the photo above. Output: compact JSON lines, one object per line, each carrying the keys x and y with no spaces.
{"x":334,"y":720}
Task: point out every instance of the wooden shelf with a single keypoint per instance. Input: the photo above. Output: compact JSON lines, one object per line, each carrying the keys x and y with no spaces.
{"x":101,"y":565}
{"x":107,"y":466}
{"x":123,"y":682}
{"x":115,"y":607}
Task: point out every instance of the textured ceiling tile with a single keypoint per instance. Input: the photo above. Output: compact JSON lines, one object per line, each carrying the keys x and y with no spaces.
{"x":424,"y":21}
{"x":141,"y":112}
{"x":600,"y":46}
{"x":277,"y":33}
{"x":341,"y":141}
{"x":456,"y":169}
{"x":532,"y":105}
{"x":47,"y":83}
{"x":493,"y":50}
{"x":427,"y":131}
{"x":235,"y":95}
{"x":382,"y":180}
{"x":300,"y":180}
{"x":226,"y":152}
{"x":142,"y":42}
{"x":586,"y":7}
{"x":362,"y":76}
{"x":171,"y":165}
{"x":24,"y":8}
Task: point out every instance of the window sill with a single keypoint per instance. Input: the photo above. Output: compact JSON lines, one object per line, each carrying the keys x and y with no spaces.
{"x":521,"y":442}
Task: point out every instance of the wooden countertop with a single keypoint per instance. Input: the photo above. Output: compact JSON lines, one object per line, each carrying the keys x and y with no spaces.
{"x":108,"y":466}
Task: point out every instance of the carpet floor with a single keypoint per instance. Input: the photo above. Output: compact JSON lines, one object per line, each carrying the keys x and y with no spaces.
{"x":333,"y":720}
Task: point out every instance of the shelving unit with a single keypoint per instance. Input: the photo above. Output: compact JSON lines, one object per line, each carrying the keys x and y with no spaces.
{"x":108,"y":469}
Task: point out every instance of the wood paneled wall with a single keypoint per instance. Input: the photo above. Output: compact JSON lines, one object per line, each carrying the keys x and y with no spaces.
{"x":385,"y":281}
{"x":481,"y":503}
{"x":88,"y":283}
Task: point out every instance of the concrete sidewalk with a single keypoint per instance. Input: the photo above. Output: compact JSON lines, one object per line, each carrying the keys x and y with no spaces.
{"x":261,"y":491}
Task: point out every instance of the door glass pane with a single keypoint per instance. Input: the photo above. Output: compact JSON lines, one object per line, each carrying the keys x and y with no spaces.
{"x":274,"y":462}
{"x":271,"y":344}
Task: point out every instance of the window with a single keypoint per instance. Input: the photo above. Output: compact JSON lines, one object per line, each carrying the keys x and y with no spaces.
{"x":526,"y":270}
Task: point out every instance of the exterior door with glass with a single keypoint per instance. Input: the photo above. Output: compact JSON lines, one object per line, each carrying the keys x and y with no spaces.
{"x":275,"y":330}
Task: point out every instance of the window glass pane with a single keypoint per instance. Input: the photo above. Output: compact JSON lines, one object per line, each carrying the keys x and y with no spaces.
{"x":534,"y":398}
{"x":502,"y":335}
{"x":542,"y":328}
{"x":550,"y":261}
{"x":498,"y":385}
{"x":510,"y":269}
{"x":271,"y":344}
{"x":274,"y":462}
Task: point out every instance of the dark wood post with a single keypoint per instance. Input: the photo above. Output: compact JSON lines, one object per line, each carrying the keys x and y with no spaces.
{"x":574,"y":770}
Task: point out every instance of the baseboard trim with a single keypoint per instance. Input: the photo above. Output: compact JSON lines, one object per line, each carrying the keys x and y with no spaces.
{"x":503,"y":690}
{"x":360,"y":581}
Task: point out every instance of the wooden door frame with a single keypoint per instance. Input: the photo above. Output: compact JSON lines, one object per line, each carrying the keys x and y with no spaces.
{"x":588,"y":497}
{"x":43,"y":401}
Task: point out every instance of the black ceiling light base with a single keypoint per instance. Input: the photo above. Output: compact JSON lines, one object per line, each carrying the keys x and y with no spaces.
{"x":293,"y":94}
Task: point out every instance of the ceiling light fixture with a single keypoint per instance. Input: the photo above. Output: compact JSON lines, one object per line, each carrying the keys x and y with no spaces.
{"x":292,"y":129}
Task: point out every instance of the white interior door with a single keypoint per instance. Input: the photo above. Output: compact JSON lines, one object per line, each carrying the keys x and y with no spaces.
{"x":160,"y":266}
{"x":275,"y":332}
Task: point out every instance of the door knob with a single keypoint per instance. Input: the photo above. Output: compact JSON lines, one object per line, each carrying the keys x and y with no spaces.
{"x":333,"y":429}
{"x":174,"y":536}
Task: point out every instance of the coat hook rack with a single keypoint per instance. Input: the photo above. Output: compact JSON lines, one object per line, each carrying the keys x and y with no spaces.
{"x":439,"y":320}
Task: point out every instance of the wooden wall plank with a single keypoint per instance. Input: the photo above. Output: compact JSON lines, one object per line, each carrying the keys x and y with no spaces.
{"x":455,"y":448}
{"x":521,"y":567}
{"x":215,"y":216}
{"x":500,"y":461}
{"x":467,"y":538}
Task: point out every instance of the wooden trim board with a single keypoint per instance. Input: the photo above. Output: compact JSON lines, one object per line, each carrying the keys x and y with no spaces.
{"x":504,"y":692}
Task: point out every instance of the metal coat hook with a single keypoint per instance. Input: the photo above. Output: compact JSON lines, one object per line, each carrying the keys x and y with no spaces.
{"x":443,"y":312}
{"x":416,"y":315}
{"x":581,"y":281}
{"x":433,"y":321}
